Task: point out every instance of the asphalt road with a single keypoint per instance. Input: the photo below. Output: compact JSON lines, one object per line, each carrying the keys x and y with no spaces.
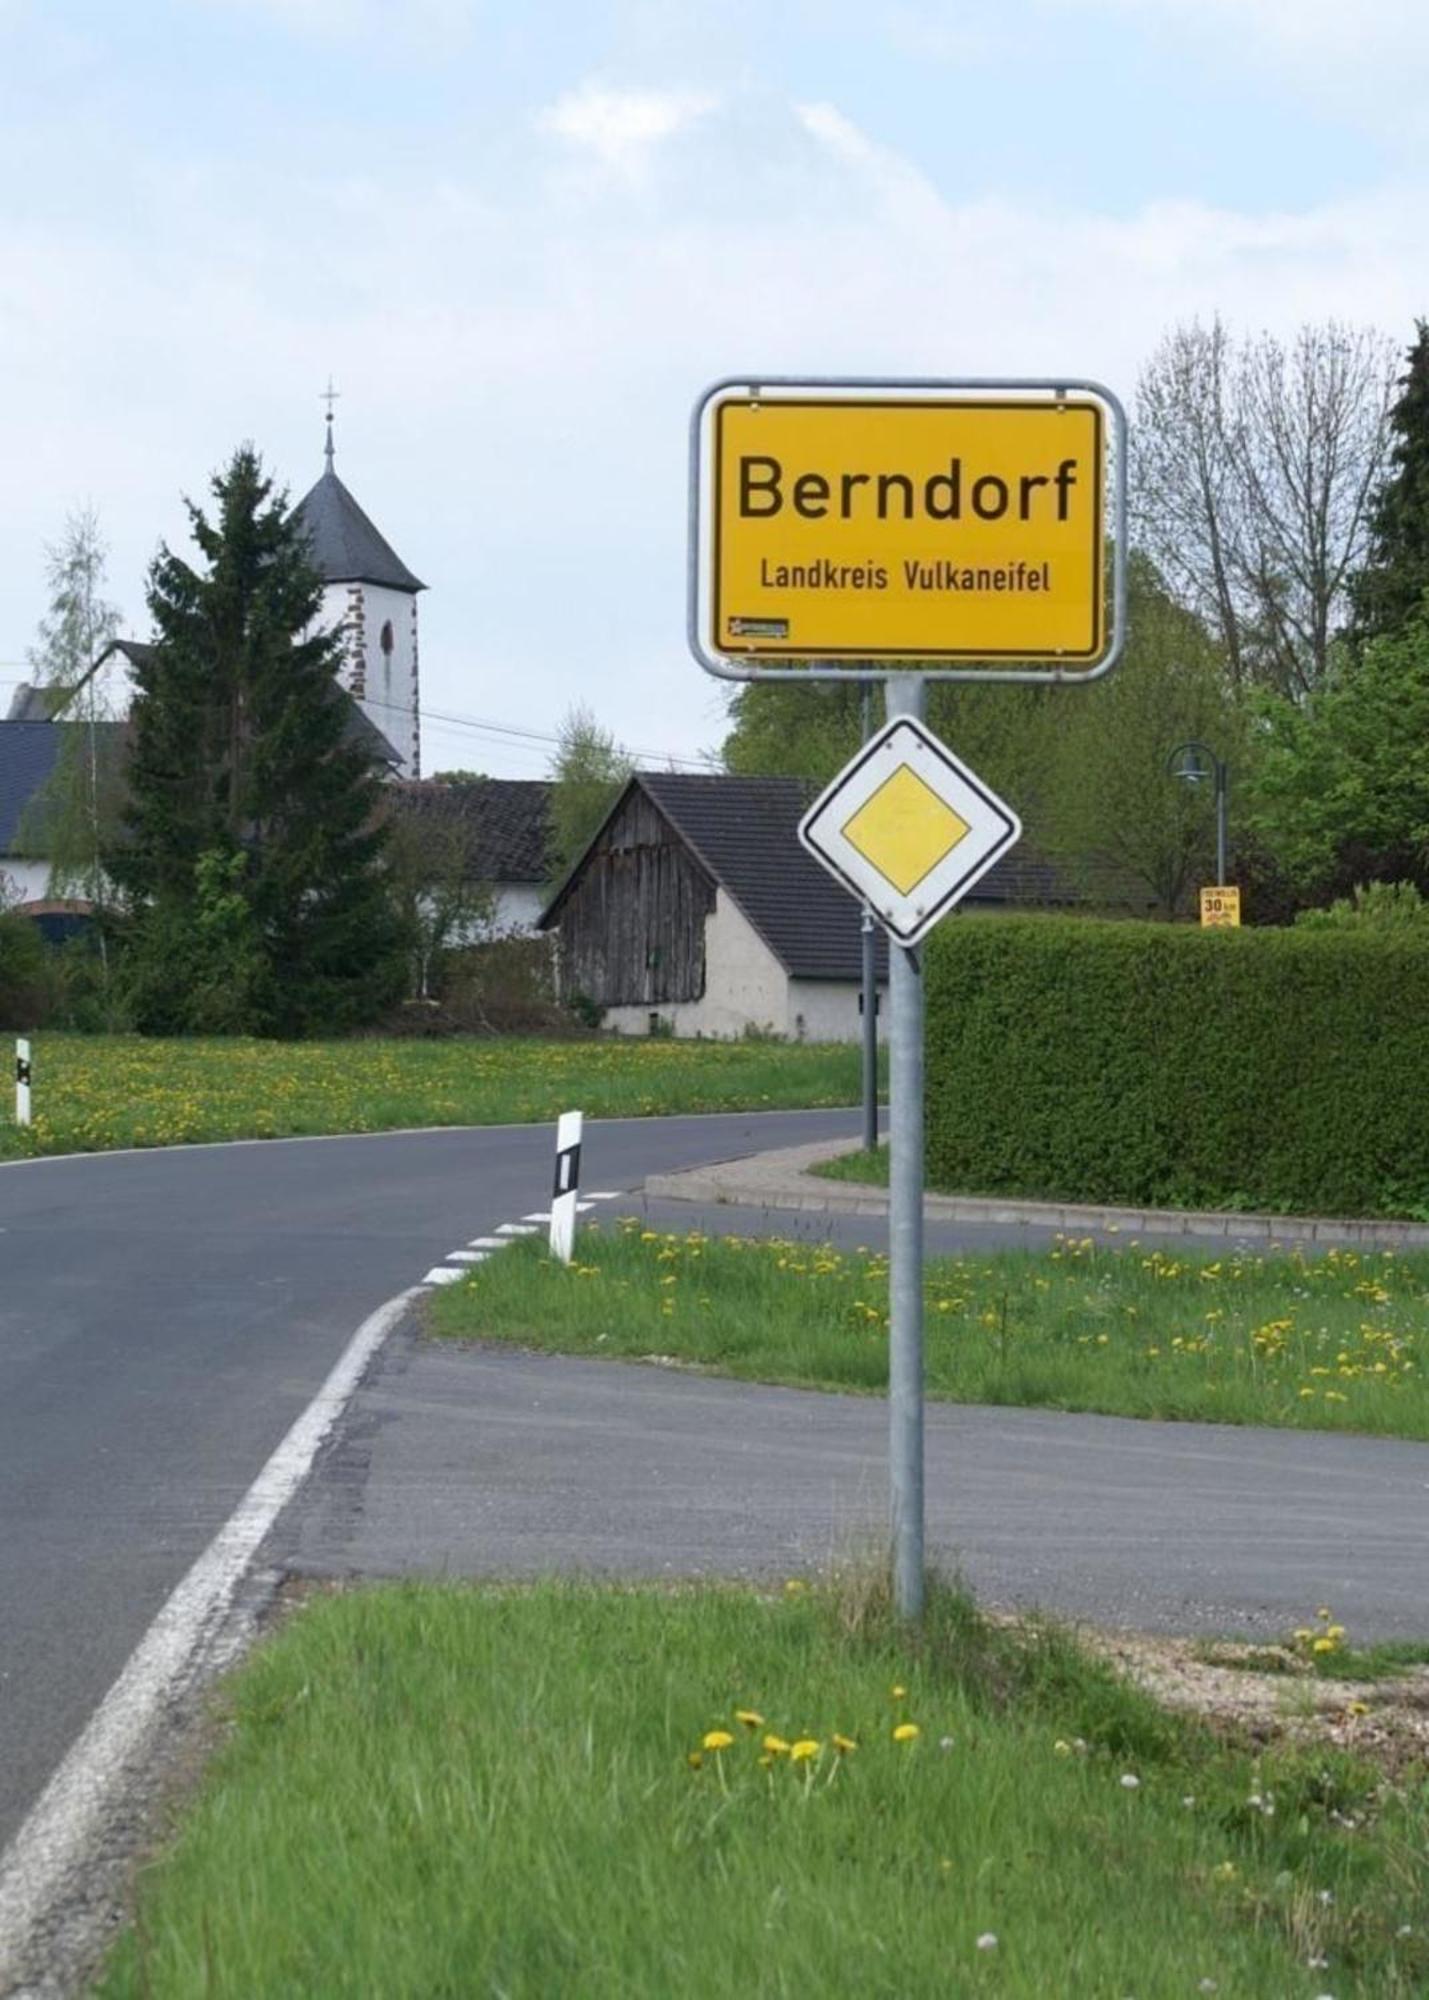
{"x":164,"y":1318}
{"x":487,"y":1461}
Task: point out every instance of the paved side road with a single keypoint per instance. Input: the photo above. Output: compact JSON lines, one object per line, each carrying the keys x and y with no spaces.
{"x":484,"y":1462}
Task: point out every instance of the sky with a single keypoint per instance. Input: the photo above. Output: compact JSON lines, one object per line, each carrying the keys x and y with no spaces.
{"x":521,"y":238}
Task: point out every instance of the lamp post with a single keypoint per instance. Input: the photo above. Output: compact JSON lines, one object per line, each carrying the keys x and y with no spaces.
{"x":1193,"y":763}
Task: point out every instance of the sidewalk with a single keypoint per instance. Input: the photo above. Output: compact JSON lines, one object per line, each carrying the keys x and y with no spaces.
{"x":782,"y":1180}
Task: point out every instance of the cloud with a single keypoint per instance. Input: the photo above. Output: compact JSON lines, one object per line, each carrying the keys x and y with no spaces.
{"x":622,"y":127}
{"x":518,"y":369}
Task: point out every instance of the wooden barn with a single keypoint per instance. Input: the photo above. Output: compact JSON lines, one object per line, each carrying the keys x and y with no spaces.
{"x":694,"y":910}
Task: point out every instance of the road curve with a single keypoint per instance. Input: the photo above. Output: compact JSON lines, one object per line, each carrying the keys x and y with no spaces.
{"x":164,"y":1318}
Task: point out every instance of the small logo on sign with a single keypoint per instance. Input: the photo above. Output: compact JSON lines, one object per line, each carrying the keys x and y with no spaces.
{"x":758,"y":628}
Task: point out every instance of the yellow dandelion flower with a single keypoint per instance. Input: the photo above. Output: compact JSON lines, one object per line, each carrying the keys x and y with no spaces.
{"x":906,"y":1732}
{"x":1358,"y":1708}
{"x":898,"y":1692}
{"x":695,"y":1760}
{"x":806,"y":1747}
{"x":1323,"y":1645}
{"x":843,"y":1744}
{"x":750,"y":1717}
{"x":716,"y":1739}
{"x":795,"y":1586}
{"x":1061,"y":1748}
{"x":776,"y":1746}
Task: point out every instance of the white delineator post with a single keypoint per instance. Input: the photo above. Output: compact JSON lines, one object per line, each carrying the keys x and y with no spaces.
{"x":567,"y":1185}
{"x":22,"y":1082}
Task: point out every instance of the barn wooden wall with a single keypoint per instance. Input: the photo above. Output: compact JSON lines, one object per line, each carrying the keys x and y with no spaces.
{"x":633,"y":926}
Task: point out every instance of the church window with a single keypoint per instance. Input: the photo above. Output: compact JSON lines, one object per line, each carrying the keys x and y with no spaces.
{"x":386,"y":641}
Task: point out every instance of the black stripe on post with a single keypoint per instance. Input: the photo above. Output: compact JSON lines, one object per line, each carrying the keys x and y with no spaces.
{"x":22,"y":1070}
{"x":568,"y":1170}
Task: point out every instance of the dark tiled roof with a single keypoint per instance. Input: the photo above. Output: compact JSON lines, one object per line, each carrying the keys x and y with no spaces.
{"x":345,"y":546}
{"x":744,"y":831}
{"x":361,"y":730}
{"x":504,"y":821}
{"x":27,"y":756}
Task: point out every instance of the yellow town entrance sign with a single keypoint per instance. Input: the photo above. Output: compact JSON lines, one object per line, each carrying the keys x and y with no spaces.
{"x":860,"y":528}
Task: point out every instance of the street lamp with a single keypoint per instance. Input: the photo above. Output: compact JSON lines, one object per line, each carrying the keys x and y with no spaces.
{"x":1193,"y":764}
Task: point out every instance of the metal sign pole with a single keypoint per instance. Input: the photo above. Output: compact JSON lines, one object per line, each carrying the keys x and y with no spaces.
{"x":904,"y":696}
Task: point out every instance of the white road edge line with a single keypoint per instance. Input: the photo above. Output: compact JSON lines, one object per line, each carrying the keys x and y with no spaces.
{"x":467,"y":1256}
{"x":488,"y":1243}
{"x":50,"y":1848}
{"x":516,"y":1229}
{"x":612,"y":1196}
{"x":443,"y":1274}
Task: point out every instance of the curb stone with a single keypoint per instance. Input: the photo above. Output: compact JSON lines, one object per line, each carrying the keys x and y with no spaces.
{"x":782,"y":1180}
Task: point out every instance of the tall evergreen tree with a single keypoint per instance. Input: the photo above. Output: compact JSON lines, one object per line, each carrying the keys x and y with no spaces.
{"x":253,"y":849}
{"x":1388,"y":593}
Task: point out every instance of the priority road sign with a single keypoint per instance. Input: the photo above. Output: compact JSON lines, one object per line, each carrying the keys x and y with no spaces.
{"x":908,"y":828}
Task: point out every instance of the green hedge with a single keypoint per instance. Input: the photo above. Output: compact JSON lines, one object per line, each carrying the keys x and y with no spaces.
{"x":1149,"y":1063}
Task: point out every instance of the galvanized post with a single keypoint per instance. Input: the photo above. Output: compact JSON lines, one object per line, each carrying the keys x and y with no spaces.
{"x":1222,"y":788}
{"x":870,"y":993}
{"x":904,"y":696}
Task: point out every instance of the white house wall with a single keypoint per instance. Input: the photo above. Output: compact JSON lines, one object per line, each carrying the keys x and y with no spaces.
{"x":745,"y":985}
{"x":827,"y":1010}
{"x":23,"y":881}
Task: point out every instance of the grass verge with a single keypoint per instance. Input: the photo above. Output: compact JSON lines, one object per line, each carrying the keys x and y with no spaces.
{"x":441,"y":1791}
{"x":1330,"y":1343}
{"x":867,"y":1169}
{"x":92,"y":1093}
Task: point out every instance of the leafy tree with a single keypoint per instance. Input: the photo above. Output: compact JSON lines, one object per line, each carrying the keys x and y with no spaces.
{"x":1110,"y":803}
{"x":73,"y":820}
{"x":1341,"y":790}
{"x":588,"y":772}
{"x":441,"y":902}
{"x":253,"y":847}
{"x":810,"y":730}
{"x":1389,"y":591}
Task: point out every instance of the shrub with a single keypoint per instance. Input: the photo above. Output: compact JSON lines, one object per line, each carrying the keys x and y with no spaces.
{"x":1151,"y":1063}
{"x":27,"y":983}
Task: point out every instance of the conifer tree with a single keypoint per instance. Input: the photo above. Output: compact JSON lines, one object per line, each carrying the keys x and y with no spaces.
{"x":1388,"y":593}
{"x":253,"y":848}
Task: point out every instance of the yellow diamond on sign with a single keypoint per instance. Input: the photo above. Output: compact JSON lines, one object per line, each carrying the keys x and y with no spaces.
{"x":904,"y":830}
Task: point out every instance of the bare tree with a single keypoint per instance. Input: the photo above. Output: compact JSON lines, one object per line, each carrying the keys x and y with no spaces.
{"x":1185,"y":511}
{"x":1254,"y":471}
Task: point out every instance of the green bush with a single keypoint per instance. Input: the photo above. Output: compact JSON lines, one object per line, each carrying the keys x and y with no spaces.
{"x":26,"y":974}
{"x":1150,"y":1063}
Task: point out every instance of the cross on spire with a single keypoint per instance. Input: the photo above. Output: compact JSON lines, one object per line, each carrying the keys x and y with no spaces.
{"x":329,"y":396}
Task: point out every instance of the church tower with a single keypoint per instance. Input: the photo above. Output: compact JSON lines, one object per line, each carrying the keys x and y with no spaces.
{"x":372,"y":595}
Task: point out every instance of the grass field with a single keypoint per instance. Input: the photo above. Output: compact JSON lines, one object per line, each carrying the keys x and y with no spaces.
{"x":96,"y":1092}
{"x":440,"y":1791}
{"x":1338,"y":1342}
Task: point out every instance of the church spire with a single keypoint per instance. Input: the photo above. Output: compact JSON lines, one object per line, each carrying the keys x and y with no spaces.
{"x":329,"y":396}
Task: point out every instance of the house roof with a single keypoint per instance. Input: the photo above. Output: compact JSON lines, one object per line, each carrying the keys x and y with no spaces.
{"x":504,"y":820}
{"x":744,"y":834}
{"x":27,"y":757}
{"x":345,"y":546}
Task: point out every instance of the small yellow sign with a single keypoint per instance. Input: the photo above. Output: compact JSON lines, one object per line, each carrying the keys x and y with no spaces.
{"x":1220,"y":907}
{"x":905,"y":830}
{"x":891,"y":528}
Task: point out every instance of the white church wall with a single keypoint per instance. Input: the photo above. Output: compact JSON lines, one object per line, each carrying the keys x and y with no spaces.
{"x":380,"y":630}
